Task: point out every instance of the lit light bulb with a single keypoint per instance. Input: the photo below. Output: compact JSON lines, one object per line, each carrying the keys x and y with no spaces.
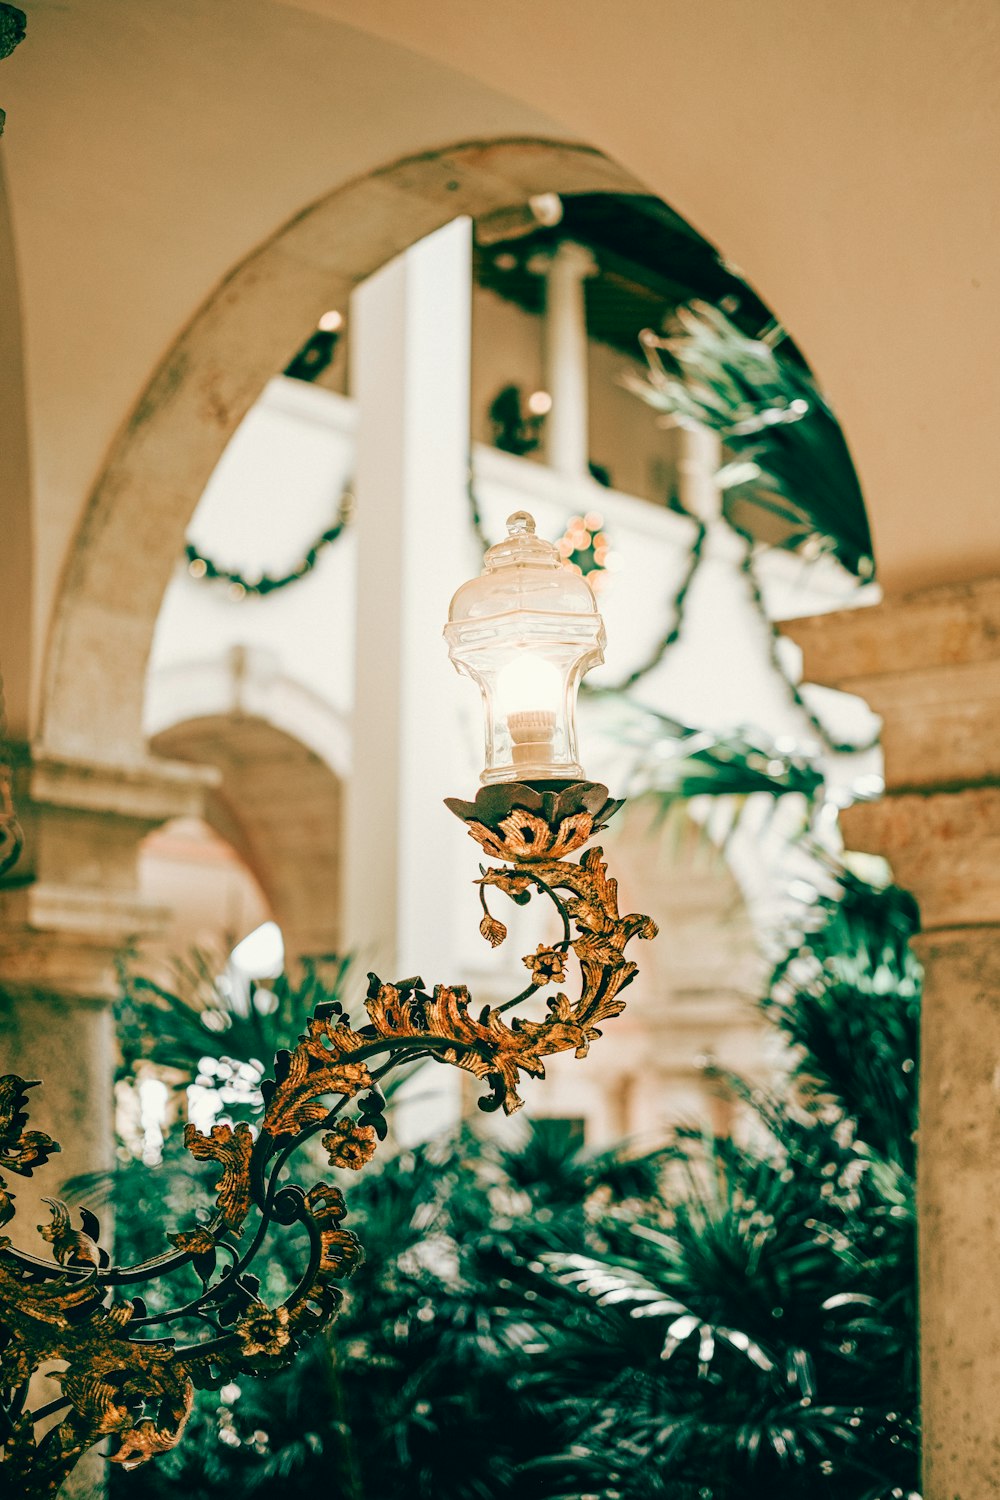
{"x":526,"y":630}
{"x":528,"y":691}
{"x":528,"y":682}
{"x":539,"y":403}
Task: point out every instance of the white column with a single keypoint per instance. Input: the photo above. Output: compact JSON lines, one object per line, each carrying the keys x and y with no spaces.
{"x":699,"y":463}
{"x":408,"y":863}
{"x":566,"y":442}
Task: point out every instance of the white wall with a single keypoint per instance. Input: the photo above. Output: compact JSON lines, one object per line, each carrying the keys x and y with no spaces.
{"x":277,"y":488}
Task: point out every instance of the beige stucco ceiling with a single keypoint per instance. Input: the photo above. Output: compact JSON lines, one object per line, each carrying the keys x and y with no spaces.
{"x":148,"y":148}
{"x":841,"y":154}
{"x":844,"y":154}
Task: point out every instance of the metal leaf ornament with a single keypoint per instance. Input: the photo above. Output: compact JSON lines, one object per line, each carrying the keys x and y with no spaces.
{"x":129,"y":1375}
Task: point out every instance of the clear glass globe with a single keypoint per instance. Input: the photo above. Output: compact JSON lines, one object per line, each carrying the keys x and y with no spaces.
{"x":526,"y":630}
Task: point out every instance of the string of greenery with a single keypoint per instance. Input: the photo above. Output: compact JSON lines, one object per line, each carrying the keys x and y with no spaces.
{"x":834,"y":745}
{"x":675,"y":615}
{"x":200,"y":565}
{"x":675,"y":606}
{"x":792,"y":461}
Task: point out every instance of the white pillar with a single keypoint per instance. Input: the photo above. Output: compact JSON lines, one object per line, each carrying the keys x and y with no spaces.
{"x":699,"y":463}
{"x":408,"y":863}
{"x":566,"y":441}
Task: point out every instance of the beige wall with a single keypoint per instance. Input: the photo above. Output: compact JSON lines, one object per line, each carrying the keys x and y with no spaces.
{"x":149,"y":147}
{"x":15,"y":493}
{"x":838,"y":154}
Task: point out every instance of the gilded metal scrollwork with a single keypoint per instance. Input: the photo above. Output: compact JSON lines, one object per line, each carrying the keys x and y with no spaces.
{"x":126,"y":1376}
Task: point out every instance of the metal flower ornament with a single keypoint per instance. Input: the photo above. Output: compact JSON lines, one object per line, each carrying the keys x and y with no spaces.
{"x":526,"y":631}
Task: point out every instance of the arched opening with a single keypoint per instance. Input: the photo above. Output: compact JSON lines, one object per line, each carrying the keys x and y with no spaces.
{"x":274,"y":802}
{"x":851,"y":250}
{"x":196,"y":872}
{"x":250,"y":327}
{"x":278,"y":805}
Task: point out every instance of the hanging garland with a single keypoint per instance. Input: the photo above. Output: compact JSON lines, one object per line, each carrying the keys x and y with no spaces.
{"x":675,"y":613}
{"x":584,"y":545}
{"x":580,"y":547}
{"x":199,"y":565}
{"x":835,"y":746}
{"x":749,"y":572}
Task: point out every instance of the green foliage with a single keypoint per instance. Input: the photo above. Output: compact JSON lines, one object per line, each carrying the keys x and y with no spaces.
{"x":676,"y":762}
{"x":714,"y":1320}
{"x":204,"y":1015}
{"x":207,"y":1030}
{"x":791,"y":458}
{"x":822,"y":996}
{"x":673,"y":763}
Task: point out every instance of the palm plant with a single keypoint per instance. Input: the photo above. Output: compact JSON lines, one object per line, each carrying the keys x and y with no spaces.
{"x":758,"y":1334}
{"x":744,"y":780}
{"x":675,"y":762}
{"x":204,"y":1015}
{"x":722,"y":1318}
{"x":789,"y":455}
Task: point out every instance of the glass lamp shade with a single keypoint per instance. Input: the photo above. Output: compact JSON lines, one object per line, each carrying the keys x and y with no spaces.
{"x":526,"y":630}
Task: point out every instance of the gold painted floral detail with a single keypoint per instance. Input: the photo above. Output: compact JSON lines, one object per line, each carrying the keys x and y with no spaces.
{"x":232,"y":1148}
{"x":350,"y":1145}
{"x":493,"y":931}
{"x":547,"y":965}
{"x":114,"y":1365}
{"x":21,"y":1150}
{"x":264,"y":1330}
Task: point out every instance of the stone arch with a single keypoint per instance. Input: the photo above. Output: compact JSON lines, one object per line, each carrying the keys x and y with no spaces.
{"x":281,"y":757}
{"x":246,"y":682}
{"x":279,"y":806}
{"x":92,"y":683}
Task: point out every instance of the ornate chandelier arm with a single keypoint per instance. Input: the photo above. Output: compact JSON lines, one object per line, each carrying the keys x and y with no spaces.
{"x":117,"y":1380}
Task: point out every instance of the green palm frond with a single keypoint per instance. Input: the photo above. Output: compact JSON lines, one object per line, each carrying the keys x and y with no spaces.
{"x":791,"y":457}
{"x":672,"y":762}
{"x":202,"y":1016}
{"x":725,"y":1316}
{"x":558,"y":1172}
{"x":697,"y":763}
{"x":847,"y":998}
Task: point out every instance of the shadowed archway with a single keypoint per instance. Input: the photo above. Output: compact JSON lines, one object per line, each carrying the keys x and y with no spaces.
{"x":279,"y":806}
